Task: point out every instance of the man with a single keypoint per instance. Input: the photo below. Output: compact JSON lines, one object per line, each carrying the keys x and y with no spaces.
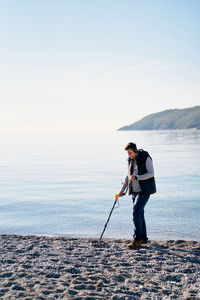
{"x":140,"y":183}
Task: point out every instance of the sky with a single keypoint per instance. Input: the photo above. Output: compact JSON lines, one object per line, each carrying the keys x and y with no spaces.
{"x":95,"y":65}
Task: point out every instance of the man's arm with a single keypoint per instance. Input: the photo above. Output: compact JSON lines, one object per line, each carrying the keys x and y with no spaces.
{"x":150,"y":170}
{"x":124,"y":185}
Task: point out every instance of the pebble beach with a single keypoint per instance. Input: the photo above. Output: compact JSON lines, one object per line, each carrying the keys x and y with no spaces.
{"x":44,"y":267}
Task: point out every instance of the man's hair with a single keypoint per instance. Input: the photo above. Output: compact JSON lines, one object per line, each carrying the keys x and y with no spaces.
{"x":131,"y":146}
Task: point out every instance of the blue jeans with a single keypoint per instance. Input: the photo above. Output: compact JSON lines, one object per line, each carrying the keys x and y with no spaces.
{"x":139,"y":202}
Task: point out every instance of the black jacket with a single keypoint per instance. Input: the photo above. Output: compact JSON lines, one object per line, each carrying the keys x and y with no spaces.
{"x":148,"y":186}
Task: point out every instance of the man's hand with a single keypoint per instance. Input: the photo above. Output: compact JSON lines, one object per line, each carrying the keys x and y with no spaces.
{"x":120,"y":194}
{"x":132,"y":177}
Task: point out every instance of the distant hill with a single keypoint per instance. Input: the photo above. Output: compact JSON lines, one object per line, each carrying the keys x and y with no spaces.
{"x":186,"y":118}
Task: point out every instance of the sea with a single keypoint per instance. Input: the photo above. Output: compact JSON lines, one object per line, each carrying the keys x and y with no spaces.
{"x":63,"y":183}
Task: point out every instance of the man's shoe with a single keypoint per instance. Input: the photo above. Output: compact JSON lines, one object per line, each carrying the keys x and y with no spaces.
{"x":135,"y":244}
{"x":144,"y":241}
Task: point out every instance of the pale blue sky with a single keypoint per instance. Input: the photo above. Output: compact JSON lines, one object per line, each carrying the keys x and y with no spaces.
{"x":95,"y":65}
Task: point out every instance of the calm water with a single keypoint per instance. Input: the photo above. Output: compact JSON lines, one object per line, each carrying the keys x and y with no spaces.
{"x":63,"y":184}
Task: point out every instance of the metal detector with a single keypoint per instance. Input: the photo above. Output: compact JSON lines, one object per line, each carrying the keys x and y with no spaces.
{"x":116,"y":198}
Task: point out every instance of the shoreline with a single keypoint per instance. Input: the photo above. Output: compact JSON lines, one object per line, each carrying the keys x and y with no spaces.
{"x":67,"y":267}
{"x":93,"y":237}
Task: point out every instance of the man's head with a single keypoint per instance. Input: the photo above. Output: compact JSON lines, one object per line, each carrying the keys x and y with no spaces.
{"x":131,"y":149}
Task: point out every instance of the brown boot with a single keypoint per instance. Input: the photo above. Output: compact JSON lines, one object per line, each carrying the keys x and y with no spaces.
{"x":135,"y":244}
{"x":144,"y":241}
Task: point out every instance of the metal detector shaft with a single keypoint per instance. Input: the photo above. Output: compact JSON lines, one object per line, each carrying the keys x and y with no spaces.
{"x":107,"y":220}
{"x":111,"y":212}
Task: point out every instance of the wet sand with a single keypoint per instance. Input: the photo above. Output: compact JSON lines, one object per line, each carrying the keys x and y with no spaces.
{"x":43,"y":267}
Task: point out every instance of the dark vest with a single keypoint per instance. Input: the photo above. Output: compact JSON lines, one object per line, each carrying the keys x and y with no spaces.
{"x":148,"y":186}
